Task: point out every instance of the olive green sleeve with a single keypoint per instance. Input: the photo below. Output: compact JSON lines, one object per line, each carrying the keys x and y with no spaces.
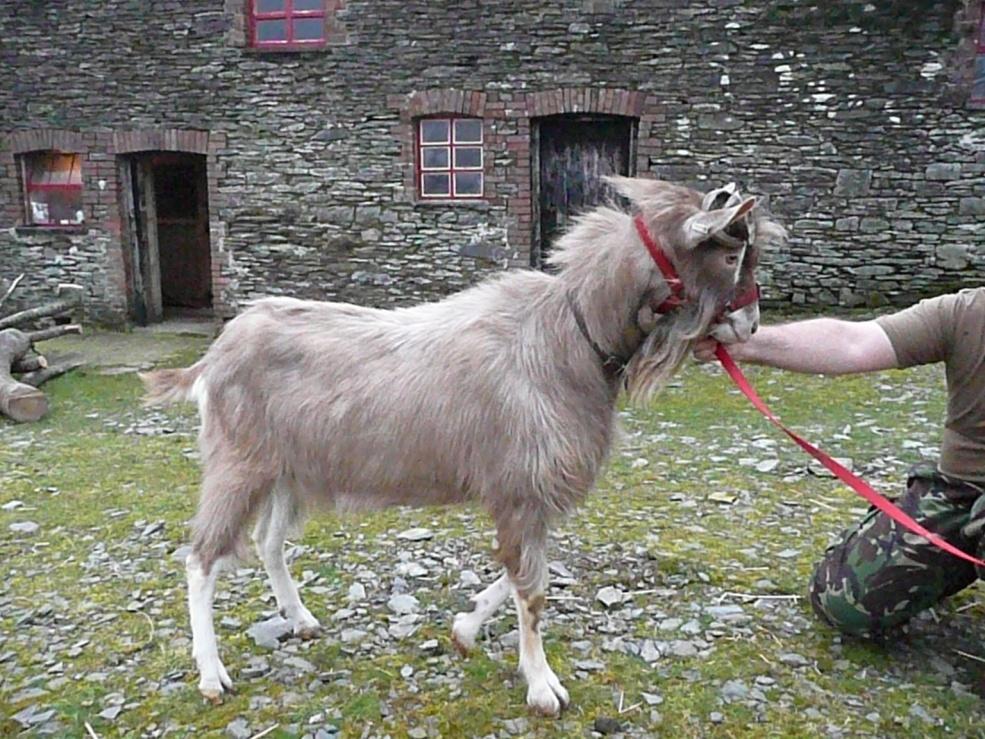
{"x":922,"y":333}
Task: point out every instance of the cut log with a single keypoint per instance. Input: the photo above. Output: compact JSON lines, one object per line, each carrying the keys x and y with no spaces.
{"x":54,"y":308}
{"x":65,"y":364}
{"x":29,"y":362}
{"x":18,"y":400}
{"x":43,"y":334}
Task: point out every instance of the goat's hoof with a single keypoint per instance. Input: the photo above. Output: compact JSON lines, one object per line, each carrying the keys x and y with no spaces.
{"x":546,"y":705}
{"x":303,"y":624}
{"x":461,"y":646}
{"x":461,"y":637}
{"x":213,"y":694}
{"x":307,"y":632}
{"x":217,"y":682}
{"x":548,"y":698}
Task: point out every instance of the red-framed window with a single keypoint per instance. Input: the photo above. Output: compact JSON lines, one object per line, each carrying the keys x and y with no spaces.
{"x":53,"y":188}
{"x":450,"y":158}
{"x":287,"y":24}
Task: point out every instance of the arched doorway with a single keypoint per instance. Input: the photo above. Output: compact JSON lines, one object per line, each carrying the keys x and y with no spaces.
{"x":571,"y":153}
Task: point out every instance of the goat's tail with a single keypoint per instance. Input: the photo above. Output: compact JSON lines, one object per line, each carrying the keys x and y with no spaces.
{"x":170,"y":385}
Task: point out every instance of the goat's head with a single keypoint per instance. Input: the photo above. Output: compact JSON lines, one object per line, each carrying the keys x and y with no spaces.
{"x":713,"y":241}
{"x":705,"y":236}
{"x":740,"y":318}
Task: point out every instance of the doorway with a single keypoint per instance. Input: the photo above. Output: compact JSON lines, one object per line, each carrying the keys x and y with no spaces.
{"x":571,"y":154}
{"x":166,"y":217}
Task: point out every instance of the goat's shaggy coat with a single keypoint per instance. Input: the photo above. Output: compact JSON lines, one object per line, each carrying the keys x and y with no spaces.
{"x":493,"y":395}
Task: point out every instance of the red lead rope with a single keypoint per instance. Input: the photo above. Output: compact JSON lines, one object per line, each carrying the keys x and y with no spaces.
{"x":853,"y":481}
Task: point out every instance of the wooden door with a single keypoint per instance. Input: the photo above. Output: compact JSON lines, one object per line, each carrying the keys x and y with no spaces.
{"x":148,"y":262}
{"x":572,"y":154}
{"x":181,"y":199}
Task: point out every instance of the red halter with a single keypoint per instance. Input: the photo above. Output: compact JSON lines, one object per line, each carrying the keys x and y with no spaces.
{"x":749,"y":297}
{"x":676,"y":298}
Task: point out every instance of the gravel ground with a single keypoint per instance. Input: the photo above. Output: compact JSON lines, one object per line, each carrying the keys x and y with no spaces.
{"x":676,"y":608}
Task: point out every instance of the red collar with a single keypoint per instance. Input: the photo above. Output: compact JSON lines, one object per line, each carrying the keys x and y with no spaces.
{"x":673,"y":280}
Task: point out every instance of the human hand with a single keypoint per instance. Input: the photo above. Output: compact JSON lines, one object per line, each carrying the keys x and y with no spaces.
{"x":704,"y":350}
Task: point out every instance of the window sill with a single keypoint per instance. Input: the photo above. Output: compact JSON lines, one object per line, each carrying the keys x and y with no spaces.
{"x":287,"y":49}
{"x":24,"y":230}
{"x":480,"y":203}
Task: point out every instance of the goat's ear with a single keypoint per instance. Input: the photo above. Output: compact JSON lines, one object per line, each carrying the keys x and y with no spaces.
{"x":701,"y":225}
{"x":636,"y":189}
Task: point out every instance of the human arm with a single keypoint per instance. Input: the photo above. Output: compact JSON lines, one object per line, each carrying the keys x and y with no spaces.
{"x":817,"y":346}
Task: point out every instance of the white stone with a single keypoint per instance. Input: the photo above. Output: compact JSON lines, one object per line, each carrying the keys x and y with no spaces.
{"x":403,"y":604}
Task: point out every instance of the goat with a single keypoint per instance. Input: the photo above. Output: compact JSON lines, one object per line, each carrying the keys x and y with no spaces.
{"x":503,"y":394}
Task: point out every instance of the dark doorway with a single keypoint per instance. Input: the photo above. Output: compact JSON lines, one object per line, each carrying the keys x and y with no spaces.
{"x":572,"y":152}
{"x":166,"y":209}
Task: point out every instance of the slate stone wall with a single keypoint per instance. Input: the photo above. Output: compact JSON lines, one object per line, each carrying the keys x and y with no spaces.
{"x":846,"y":116}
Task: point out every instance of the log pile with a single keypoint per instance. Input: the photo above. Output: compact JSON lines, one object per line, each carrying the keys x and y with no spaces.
{"x":20,"y":398}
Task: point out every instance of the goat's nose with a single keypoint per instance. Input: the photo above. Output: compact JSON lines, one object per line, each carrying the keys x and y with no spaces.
{"x":755,"y":327}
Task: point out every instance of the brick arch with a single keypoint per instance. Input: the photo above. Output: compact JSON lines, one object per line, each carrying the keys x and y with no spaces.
{"x":444,"y":100}
{"x":189,"y":141}
{"x":47,"y":139}
{"x":608,"y":100}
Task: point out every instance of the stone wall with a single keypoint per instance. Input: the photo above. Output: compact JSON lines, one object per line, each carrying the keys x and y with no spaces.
{"x":844,"y":115}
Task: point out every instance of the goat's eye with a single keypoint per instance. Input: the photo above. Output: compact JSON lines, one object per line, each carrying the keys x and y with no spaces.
{"x":731,"y":259}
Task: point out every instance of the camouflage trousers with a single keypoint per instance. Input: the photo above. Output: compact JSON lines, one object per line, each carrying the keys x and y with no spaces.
{"x":879,"y":575}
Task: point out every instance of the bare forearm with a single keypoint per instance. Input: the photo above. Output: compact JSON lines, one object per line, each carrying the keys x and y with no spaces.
{"x":820,"y":346}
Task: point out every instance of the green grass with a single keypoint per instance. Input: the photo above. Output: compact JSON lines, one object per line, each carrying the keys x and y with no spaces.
{"x":93,"y":489}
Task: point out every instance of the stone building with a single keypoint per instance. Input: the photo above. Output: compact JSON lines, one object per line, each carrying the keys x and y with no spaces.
{"x":199,"y":153}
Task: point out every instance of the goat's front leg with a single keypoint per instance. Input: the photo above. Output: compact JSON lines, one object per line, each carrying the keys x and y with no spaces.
{"x":523,"y":550}
{"x":466,"y":625}
{"x":545,"y":694}
{"x":201,"y":592}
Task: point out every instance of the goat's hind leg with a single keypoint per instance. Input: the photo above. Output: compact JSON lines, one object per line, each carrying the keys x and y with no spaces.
{"x":227,"y":501}
{"x":467,"y":624}
{"x":213,"y":678}
{"x":282,"y":515}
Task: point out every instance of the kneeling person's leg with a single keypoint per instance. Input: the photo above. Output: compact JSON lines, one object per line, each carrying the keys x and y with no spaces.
{"x":880,"y":575}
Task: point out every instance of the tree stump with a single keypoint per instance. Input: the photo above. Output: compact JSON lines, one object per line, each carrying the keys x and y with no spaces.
{"x":18,"y":400}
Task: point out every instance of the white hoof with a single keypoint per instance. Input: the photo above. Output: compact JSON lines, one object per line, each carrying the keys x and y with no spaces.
{"x":304,"y":625}
{"x":546,"y":696}
{"x":214,"y":681}
{"x":463,"y":633}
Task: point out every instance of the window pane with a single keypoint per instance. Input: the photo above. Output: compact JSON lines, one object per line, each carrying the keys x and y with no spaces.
{"x":434,"y":131}
{"x":468,"y":183}
{"x":434,"y":184}
{"x":434,"y":157}
{"x":54,"y":169}
{"x":269,"y":6}
{"x":268,"y":31}
{"x":309,"y":29}
{"x":309,"y":5}
{"x":468,"y":157}
{"x":62,"y":207}
{"x":468,"y":131}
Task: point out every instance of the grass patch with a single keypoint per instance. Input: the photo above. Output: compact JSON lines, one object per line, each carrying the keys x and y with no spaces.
{"x":92,"y":607}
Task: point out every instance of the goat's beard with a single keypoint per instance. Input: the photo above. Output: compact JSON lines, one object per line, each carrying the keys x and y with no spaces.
{"x":666,"y":347}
